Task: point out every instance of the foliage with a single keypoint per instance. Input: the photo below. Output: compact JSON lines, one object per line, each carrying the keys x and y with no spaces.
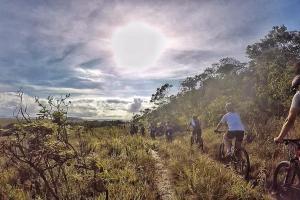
{"x":43,"y":154}
{"x":259,"y":89}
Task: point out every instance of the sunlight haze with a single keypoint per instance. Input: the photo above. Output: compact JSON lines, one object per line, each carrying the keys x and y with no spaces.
{"x":137,"y":45}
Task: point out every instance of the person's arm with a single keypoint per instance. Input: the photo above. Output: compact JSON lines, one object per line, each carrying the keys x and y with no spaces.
{"x":219,"y":125}
{"x":288,"y":124}
{"x":222,"y":122}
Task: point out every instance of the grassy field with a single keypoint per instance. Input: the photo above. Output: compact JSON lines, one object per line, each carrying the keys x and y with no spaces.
{"x":128,"y":168}
{"x":198,"y":176}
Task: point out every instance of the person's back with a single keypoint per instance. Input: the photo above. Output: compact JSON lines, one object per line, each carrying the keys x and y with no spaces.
{"x":233,"y":121}
{"x":235,"y":127}
{"x":195,"y":123}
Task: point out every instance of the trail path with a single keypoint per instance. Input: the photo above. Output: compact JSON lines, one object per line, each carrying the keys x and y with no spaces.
{"x":162,"y":179}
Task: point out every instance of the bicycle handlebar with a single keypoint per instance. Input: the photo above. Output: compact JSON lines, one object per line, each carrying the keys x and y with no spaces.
{"x":295,"y":141}
{"x":219,"y":131}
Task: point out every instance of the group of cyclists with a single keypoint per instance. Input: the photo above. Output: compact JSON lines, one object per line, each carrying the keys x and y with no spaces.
{"x":235,"y":127}
{"x":235,"y":131}
{"x":166,"y":128}
{"x":135,"y":129}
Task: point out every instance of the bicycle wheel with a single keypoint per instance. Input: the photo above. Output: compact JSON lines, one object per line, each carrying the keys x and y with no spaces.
{"x":283,"y":176}
{"x":242,"y":163}
{"x":200,"y":144}
{"x":221,"y":154}
{"x":192,"y":140}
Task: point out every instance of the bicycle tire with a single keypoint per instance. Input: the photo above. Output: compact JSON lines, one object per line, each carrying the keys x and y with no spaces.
{"x":221,"y":153}
{"x":245,"y":171}
{"x":200,"y":144}
{"x":284,"y":166}
{"x":192,"y":140}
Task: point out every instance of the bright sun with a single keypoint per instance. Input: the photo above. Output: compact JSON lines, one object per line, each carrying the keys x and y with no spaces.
{"x":137,"y":45}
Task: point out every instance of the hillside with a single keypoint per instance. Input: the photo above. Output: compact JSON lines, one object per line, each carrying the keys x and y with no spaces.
{"x":259,"y":89}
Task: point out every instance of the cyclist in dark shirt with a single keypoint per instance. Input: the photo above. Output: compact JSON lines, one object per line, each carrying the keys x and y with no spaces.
{"x":294,"y":108}
{"x":196,"y":129}
{"x":142,"y":130}
{"x":169,"y":132}
{"x":152,"y":130}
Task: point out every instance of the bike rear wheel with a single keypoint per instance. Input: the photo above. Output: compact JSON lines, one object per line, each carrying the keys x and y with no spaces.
{"x":283,"y":176}
{"x":200,"y":144}
{"x":242,"y":163}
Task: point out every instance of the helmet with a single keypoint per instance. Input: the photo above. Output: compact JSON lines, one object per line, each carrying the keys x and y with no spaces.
{"x":295,"y":83}
{"x":229,"y":107}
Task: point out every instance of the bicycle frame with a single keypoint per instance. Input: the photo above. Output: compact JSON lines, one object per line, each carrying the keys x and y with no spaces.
{"x":233,"y":147}
{"x":294,"y":169}
{"x":292,"y":166}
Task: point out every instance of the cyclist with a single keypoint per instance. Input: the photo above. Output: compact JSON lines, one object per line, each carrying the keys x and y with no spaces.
{"x":152,"y":130}
{"x":169,"y":131}
{"x":235,"y":128}
{"x":294,"y":108}
{"x":132,"y":129}
{"x":196,"y":129}
{"x":142,"y":129}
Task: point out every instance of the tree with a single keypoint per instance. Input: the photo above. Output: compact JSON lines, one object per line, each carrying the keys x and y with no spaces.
{"x":160,"y":96}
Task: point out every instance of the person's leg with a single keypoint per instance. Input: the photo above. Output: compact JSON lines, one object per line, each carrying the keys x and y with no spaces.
{"x":192,"y":137}
{"x":239,"y":139}
{"x":199,"y":139}
{"x":227,"y":142}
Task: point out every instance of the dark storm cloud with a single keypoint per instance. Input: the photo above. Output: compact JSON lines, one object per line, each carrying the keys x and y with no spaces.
{"x":67,"y":51}
{"x":91,"y":63}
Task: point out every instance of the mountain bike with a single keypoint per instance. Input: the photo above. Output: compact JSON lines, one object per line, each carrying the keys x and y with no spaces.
{"x":287,"y":173}
{"x":169,"y":135}
{"x":238,"y":159}
{"x":197,"y":139}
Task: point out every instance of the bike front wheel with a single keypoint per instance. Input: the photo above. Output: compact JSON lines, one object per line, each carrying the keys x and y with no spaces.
{"x":283,"y":176}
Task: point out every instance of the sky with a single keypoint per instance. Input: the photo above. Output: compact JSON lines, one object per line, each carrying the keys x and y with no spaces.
{"x":111,"y":55}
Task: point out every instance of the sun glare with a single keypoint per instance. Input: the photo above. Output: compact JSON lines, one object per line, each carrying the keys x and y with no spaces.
{"x":137,"y":45}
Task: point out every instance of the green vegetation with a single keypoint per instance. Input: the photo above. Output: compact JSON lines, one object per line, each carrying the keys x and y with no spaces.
{"x":45,"y":158}
{"x":51,"y":158}
{"x":259,"y":89}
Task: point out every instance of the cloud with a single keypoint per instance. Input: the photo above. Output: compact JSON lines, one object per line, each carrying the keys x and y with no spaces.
{"x":91,"y":63}
{"x":117,"y":101}
{"x":10,"y":101}
{"x":67,"y":51}
{"x":48,"y":51}
{"x":136,"y":105}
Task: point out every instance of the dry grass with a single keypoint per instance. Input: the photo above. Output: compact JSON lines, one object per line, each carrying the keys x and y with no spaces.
{"x":197,"y":176}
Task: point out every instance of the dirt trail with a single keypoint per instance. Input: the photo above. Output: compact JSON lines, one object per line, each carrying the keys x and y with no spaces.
{"x":162,"y":179}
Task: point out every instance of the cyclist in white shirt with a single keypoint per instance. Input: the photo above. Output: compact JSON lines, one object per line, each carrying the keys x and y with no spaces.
{"x":235,"y":128}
